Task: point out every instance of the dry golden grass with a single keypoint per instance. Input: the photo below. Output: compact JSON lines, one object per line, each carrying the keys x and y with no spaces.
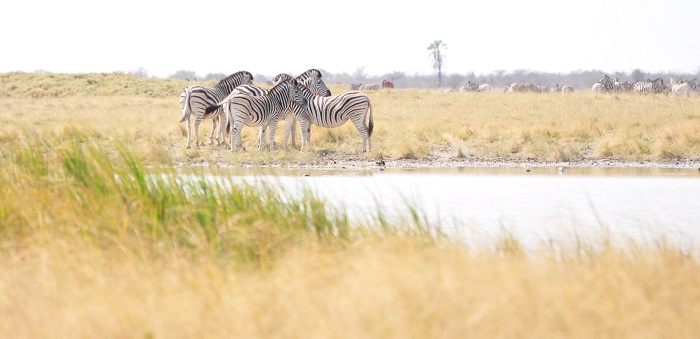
{"x":92,"y":246}
{"x":393,"y":288}
{"x":409,"y":124}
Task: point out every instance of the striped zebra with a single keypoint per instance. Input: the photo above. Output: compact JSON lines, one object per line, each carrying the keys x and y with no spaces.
{"x":650,"y":86}
{"x":625,"y":87}
{"x":370,"y":87}
{"x":598,"y":88}
{"x":312,"y":79}
{"x":355,"y":87}
{"x":470,"y":87}
{"x":567,"y":89}
{"x":607,"y":84}
{"x":194,"y":100}
{"x":264,"y":110}
{"x":334,"y":111}
{"x":485,"y":88}
{"x":680,"y":89}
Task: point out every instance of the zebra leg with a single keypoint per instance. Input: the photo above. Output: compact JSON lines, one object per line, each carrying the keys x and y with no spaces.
{"x":197,"y":121}
{"x":189,"y":127}
{"x":290,"y":123}
{"x":261,"y":136}
{"x":273,"y":129}
{"x":213,"y":128}
{"x":362,"y":128}
{"x":305,"y":134}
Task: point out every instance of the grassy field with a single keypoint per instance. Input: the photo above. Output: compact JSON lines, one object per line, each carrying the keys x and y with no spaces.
{"x":94,"y":242}
{"x":143,"y":115}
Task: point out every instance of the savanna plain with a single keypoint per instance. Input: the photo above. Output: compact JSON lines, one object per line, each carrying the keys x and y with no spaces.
{"x":102,"y":238}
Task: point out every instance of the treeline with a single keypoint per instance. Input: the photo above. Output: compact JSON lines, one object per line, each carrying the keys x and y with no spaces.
{"x":578,"y":79}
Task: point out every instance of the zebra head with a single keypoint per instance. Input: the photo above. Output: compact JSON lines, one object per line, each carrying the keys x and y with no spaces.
{"x":281,"y":77}
{"x":312,"y":73}
{"x":234,"y":80}
{"x":317,"y":86}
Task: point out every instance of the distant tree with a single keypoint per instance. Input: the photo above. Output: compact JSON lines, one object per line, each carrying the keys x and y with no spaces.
{"x":140,"y":72}
{"x":184,"y":75}
{"x":360,"y":74}
{"x":214,"y":76}
{"x":437,"y":57}
{"x":637,"y":75}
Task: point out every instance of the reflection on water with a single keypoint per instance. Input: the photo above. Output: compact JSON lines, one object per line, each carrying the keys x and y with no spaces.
{"x":641,"y":204}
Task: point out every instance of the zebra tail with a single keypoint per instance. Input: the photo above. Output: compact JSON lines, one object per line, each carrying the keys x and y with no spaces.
{"x":210,"y":110}
{"x":370,"y":128}
{"x":188,"y":110}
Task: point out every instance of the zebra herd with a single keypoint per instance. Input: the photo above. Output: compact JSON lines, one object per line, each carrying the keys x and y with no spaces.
{"x":305,"y":98}
{"x":528,"y":87}
{"x":606,"y":84}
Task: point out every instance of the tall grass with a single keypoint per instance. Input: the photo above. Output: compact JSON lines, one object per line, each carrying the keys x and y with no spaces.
{"x":94,"y":243}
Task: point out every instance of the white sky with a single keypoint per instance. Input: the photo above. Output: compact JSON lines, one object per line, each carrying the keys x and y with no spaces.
{"x":271,"y":37}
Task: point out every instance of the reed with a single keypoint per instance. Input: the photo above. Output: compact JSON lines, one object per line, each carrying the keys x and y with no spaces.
{"x":94,"y":243}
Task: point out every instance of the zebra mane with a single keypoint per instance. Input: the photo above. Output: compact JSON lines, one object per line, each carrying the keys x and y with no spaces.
{"x":281,"y":77}
{"x":311,"y":73}
{"x":229,"y":79}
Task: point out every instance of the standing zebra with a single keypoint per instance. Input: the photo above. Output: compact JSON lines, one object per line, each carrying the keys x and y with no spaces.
{"x":334,"y":111}
{"x":566,"y":89}
{"x":608,"y":83}
{"x":650,"y":86}
{"x":521,"y":88}
{"x":194,"y":100}
{"x":370,"y":87}
{"x":264,"y":110}
{"x":312,"y":79}
{"x":470,"y":87}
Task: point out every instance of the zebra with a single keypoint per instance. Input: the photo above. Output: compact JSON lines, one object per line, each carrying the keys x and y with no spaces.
{"x":264,"y":110}
{"x":555,"y":89}
{"x":680,"y":88}
{"x":194,"y":100}
{"x":355,"y":87}
{"x":567,"y":89}
{"x":370,"y":87}
{"x":470,"y":87}
{"x":485,"y":88}
{"x":334,"y":111}
{"x":650,"y":86}
{"x":521,"y":88}
{"x":607,"y":84}
{"x":312,"y":79}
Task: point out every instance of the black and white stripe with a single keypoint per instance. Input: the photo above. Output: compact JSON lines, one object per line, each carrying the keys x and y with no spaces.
{"x":650,"y":86}
{"x":255,"y":111}
{"x":194,"y":100}
{"x":334,"y":111}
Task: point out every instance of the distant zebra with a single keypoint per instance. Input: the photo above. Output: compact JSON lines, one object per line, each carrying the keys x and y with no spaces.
{"x":598,"y":88}
{"x":680,"y":89}
{"x":567,"y":89}
{"x":470,"y":87}
{"x":608,"y":84}
{"x":387,"y":84}
{"x":649,"y":86}
{"x":693,"y":85}
{"x":334,"y":111}
{"x":355,"y":87}
{"x":194,"y":100}
{"x":556,"y":88}
{"x":265,"y":110}
{"x":523,"y":88}
{"x":625,"y":87}
{"x":485,"y":88}
{"x":370,"y":87}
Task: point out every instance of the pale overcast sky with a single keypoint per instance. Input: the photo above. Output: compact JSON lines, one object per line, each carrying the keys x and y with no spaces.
{"x":271,"y":37}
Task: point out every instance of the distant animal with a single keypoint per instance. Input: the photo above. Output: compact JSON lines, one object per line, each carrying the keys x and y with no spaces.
{"x":608,"y":83}
{"x":680,"y":89}
{"x":387,"y":84}
{"x":650,"y":86}
{"x":598,"y":88}
{"x":523,"y":88}
{"x":195,"y":99}
{"x":567,"y":89}
{"x":334,"y":111}
{"x":470,"y":87}
{"x":370,"y":87}
{"x":355,"y":87}
{"x":484,"y":88}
